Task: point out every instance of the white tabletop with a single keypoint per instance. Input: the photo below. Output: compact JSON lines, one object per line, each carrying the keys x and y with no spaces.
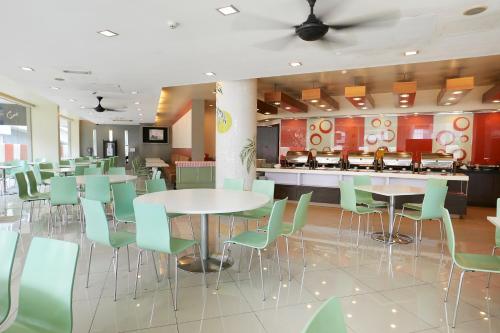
{"x":113,"y":179}
{"x":206,"y":201}
{"x":61,"y":169}
{"x":155,"y":162}
{"x":495,"y":220}
{"x":392,"y":190}
{"x":6,"y":167}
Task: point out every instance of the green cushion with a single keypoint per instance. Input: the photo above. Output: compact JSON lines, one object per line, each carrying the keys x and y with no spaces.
{"x":121,"y":238}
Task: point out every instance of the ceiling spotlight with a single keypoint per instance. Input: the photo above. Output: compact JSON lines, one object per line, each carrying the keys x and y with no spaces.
{"x":357,"y":98}
{"x":415,"y":113}
{"x":82,"y":107}
{"x":228,"y":10}
{"x":410,"y":53}
{"x":458,"y":92}
{"x":137,"y":103}
{"x":475,"y":10}
{"x":140,"y":114}
{"x":133,"y":92}
{"x":28,"y":69}
{"x":314,"y":101}
{"x":295,"y":64}
{"x":344,"y":72}
{"x":72,"y":100}
{"x":403,"y":106}
{"x":266,"y":120}
{"x":276,"y":103}
{"x":139,"y":109}
{"x":329,"y":109}
{"x":361,"y":103}
{"x":405,"y":95}
{"x":364,"y":108}
{"x":213,"y":105}
{"x":267,"y":112}
{"x":496,"y":101}
{"x":210,"y":74}
{"x":287,"y":108}
{"x":452,"y":98}
{"x":447,"y":103}
{"x":404,"y":101}
{"x":322,"y":105}
{"x":107,"y":33}
{"x":54,"y":88}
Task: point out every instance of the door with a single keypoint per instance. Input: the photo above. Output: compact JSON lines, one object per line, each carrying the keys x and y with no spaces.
{"x":268,"y":143}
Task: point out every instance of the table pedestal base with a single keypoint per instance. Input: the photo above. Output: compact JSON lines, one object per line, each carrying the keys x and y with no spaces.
{"x":396,"y":238}
{"x":212,"y":264}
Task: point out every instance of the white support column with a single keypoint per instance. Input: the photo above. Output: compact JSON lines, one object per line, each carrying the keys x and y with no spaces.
{"x":236,"y":130}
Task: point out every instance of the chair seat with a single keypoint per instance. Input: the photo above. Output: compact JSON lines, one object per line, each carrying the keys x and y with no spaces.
{"x":130,"y":218}
{"x":286,"y":228}
{"x":254,"y":214}
{"x":412,"y":205}
{"x":416,"y":216}
{"x":478,"y":262}
{"x":42,"y":196}
{"x":365,"y":210}
{"x":18,"y":327}
{"x":121,"y":238}
{"x":372,"y":203}
{"x":253,"y":239}
{"x":178,"y":245}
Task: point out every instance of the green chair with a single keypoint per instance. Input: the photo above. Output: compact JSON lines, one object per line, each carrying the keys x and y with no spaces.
{"x":117,"y":171}
{"x":329,"y":318}
{"x":153,"y":234}
{"x":288,"y":229}
{"x":348,"y":203}
{"x":105,"y":165}
{"x":98,"y":232}
{"x":428,"y":183}
{"x":234,"y":184}
{"x":123,"y":198}
{"x":8,"y":245}
{"x":497,"y":238}
{"x":46,"y":174}
{"x":98,"y":188}
{"x":366,"y":198}
{"x":467,"y":262}
{"x":64,"y":163}
{"x":155,"y":185}
{"x":431,"y":210}
{"x":24,"y":195}
{"x":33,"y":187}
{"x":259,"y":240}
{"x":46,"y":289}
{"x":80,"y":170}
{"x":139,"y":169}
{"x":63,"y":192}
{"x":93,"y":171}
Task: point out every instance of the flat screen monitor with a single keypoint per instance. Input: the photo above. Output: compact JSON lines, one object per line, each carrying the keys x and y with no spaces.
{"x":155,"y":134}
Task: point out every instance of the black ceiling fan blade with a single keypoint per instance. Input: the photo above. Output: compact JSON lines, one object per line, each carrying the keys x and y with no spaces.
{"x":257,"y":22}
{"x":114,"y":110}
{"x":324,"y":12}
{"x":329,"y":42}
{"x":378,"y":20}
{"x":277,"y":44}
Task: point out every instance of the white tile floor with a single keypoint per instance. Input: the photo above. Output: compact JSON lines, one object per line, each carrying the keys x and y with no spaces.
{"x":404,"y":294}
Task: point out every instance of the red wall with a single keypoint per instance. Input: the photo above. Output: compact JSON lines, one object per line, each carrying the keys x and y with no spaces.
{"x":293,"y":133}
{"x":349,"y":133}
{"x":415,"y":134}
{"x":486,"y":138}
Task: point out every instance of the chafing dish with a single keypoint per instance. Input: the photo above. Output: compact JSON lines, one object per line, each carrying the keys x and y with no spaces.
{"x":296,"y":158}
{"x":402,"y":161}
{"x":331,"y":159}
{"x":442,"y":162}
{"x":361,"y":160}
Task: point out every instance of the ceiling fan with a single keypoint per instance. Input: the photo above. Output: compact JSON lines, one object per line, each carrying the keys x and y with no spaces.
{"x":313,"y":28}
{"x":100,"y":108}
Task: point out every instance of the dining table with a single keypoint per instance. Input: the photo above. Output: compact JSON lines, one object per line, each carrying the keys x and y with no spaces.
{"x":392,"y":191}
{"x":113,"y":179}
{"x":204,"y":202}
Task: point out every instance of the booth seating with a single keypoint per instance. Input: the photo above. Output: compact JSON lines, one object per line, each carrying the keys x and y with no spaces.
{"x":195,"y":174}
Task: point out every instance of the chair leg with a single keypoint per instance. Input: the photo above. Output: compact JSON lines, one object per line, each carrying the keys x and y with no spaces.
{"x":352,"y":216}
{"x":278,"y":258}
{"x":88,"y":268}
{"x":303,"y":248}
{"x":288,"y":259}
{"x":261,"y":275}
{"x":191,"y":225}
{"x":400,"y":218}
{"x":203,"y":267}
{"x":251,"y":258}
{"x":489,"y":274}
{"x":421,"y":228}
{"x":139,"y":255}
{"x":218,"y":233}
{"x":21,"y":217}
{"x":359,"y":226}
{"x":340,"y":223}
{"x":220,"y":267}
{"x":381,"y":223}
{"x":154,"y":265}
{"x":239,"y":259}
{"x":116,"y":271}
{"x":176,"y":290}
{"x":449,"y":282}
{"x":416,"y":239}
{"x":128,"y":259}
{"x":458,"y":299}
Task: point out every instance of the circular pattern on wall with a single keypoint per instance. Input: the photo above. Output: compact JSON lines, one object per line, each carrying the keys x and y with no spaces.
{"x":445,"y":138}
{"x":312,"y":127}
{"x":388,"y":135}
{"x":371,"y":139}
{"x":387,"y":123}
{"x":464,"y":138}
{"x":376,"y":122}
{"x":315,"y":139}
{"x":460,"y":154}
{"x":325,"y":126}
{"x":461,"y":124}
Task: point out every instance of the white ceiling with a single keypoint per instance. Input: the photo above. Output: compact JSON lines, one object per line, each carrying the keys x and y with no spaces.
{"x":53,"y":35}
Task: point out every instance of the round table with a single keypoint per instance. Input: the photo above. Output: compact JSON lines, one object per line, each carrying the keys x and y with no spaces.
{"x":113,"y":179}
{"x":204,"y":202}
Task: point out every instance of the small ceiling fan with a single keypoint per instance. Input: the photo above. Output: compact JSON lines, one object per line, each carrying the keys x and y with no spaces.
{"x":313,"y":28}
{"x":100,"y":108}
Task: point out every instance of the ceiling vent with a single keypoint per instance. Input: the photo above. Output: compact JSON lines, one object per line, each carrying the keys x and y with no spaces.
{"x":68,"y":71}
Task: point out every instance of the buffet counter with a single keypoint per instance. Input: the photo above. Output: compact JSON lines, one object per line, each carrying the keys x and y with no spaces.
{"x":292,"y":182}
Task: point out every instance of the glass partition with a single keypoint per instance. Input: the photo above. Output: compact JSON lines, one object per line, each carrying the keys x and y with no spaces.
{"x":15,"y":139}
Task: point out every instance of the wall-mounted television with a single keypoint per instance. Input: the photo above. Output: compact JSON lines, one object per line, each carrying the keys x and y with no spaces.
{"x":155,"y":134}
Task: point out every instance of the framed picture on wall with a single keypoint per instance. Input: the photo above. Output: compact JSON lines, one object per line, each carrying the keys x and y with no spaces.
{"x":109,"y":148}
{"x":155,"y":134}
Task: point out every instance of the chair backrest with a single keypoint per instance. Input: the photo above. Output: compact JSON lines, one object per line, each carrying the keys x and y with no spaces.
{"x":96,"y":224}
{"x":450,"y":234}
{"x":38,"y":175}
{"x":22,"y":185}
{"x":300,"y":216}
{"x":63,"y":191}
{"x":64,"y":163}
{"x":117,"y":171}
{"x":8,"y":245}
{"x":92,"y":171}
{"x":97,"y":188}
{"x":362,"y":196}
{"x":33,"y":186}
{"x":45,"y":166}
{"x":433,"y":202}
{"x":152,"y":227}
{"x":80,"y":170}
{"x":46,"y":289}
{"x":106,"y":165}
{"x":347,"y":196}
{"x":156,"y":185}
{"x":265,"y":187}
{"x":436,"y":182}
{"x":236,"y":184}
{"x":329,"y":318}
{"x":123,"y":198}
{"x":275,"y":221}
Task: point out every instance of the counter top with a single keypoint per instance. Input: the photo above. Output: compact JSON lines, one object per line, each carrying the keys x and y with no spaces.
{"x":388,"y":174}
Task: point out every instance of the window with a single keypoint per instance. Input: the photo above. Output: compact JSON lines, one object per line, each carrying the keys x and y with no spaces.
{"x":94,"y":142}
{"x":15,"y":142}
{"x":64,"y":137}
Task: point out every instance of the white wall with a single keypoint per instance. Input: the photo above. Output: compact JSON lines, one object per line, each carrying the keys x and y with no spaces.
{"x":182,"y":132}
{"x":44,"y":120}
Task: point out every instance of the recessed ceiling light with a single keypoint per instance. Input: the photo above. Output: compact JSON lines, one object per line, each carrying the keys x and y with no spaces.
{"x":475,"y":10}
{"x":107,"y":33}
{"x":404,"y":95}
{"x":411,"y":52}
{"x":496,"y":101}
{"x":133,"y":92}
{"x":404,"y":101}
{"x":139,"y":109}
{"x":228,"y":10}
{"x":314,"y":101}
{"x":322,"y":105}
{"x":72,"y":100}
{"x":403,"y":106}
{"x":357,"y":98}
{"x":415,"y":113}
{"x":344,"y":72}
{"x":55,"y":88}
{"x":458,"y":92}
{"x":82,"y":107}
{"x":213,"y":105}
{"x":210,"y":74}
{"x":295,"y":64}
{"x":276,"y":103}
{"x":447,"y":103}
{"x":140,"y":114}
{"x":267,"y":112}
{"x":137,"y":103}
{"x":266,"y":120}
{"x":287,"y":108}
{"x":329,"y":109}
{"x":28,"y":69}
{"x":361,"y":103}
{"x":364,"y":108}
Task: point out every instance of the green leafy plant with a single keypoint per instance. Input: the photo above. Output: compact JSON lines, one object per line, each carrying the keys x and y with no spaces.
{"x":248,"y":153}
